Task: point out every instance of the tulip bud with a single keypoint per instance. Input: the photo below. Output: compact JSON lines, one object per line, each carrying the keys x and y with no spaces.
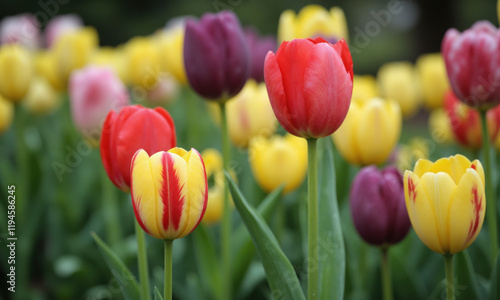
{"x":41,"y":98}
{"x":134,"y":128}
{"x":143,"y":63}
{"x":94,"y":91}
{"x":309,"y":83}
{"x":278,"y":160}
{"x":170,"y":42}
{"x":446,"y":202}
{"x":258,"y":47}
{"x":364,"y":87}
{"x":6,"y":114}
{"x":60,"y":25}
{"x":23,"y":29}
{"x":16,"y":71}
{"x":472,"y":64}
{"x":169,"y":192}
{"x":378,"y":207}
{"x":433,"y":79}
{"x":216,"y":56}
{"x":370,"y":131}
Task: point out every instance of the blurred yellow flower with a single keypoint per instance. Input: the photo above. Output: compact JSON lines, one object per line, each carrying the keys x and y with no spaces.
{"x":41,"y":98}
{"x":143,"y":62}
{"x":16,"y":71}
{"x":364,"y":87}
{"x":440,"y":126}
{"x":433,"y":79}
{"x":215,"y":175}
{"x":73,"y":50}
{"x":407,"y":154}
{"x":170,"y":44}
{"x":446,"y":202}
{"x":312,"y":20}
{"x":278,"y":160}
{"x":112,"y":57}
{"x":6,"y":114}
{"x":45,"y":66}
{"x":370,"y":131}
{"x":398,"y":81}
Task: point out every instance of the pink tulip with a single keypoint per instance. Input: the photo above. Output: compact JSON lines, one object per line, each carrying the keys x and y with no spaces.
{"x":23,"y":29}
{"x":60,"y":25}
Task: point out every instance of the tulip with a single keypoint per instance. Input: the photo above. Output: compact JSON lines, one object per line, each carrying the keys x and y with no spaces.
{"x":364,"y":87}
{"x":309,"y":83}
{"x":216,"y":55}
{"x":258,"y":47}
{"x":169,"y":192}
{"x":134,"y":128}
{"x":378,"y":207}
{"x":312,"y":21}
{"x":73,"y":50}
{"x":278,"y":160}
{"x":6,"y":114}
{"x":60,"y":25}
{"x":433,"y":79}
{"x":41,"y":98}
{"x":446,"y":202}
{"x":16,"y":71}
{"x":23,"y":29}
{"x":370,"y":131}
{"x":440,"y":126}
{"x":472,"y":62}
{"x":45,"y":66}
{"x":170,"y":42}
{"x":407,"y":154}
{"x":213,"y":167}
{"x":114,"y":58}
{"x":465,"y":122}
{"x":95,"y":91}
{"x":143,"y":62}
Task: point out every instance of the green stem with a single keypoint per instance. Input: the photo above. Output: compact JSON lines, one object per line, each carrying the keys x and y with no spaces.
{"x":490,"y":191}
{"x":226,"y":217}
{"x":450,"y":287}
{"x":312,"y":187}
{"x":167,"y":295}
{"x":110,"y":210}
{"x":142,"y":261}
{"x":386,"y":274}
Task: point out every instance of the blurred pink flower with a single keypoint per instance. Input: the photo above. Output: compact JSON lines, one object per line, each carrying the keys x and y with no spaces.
{"x":60,"y":25}
{"x":23,"y":29}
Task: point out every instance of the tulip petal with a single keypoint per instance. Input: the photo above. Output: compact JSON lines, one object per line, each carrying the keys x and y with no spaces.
{"x":476,"y":165}
{"x":422,"y":166}
{"x":467,"y":211}
{"x":343,"y":50}
{"x":345,"y":137}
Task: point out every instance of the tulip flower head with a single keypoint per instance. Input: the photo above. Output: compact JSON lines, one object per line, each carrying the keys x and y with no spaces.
{"x":378,"y":208}
{"x":370,"y":131}
{"x":472,"y":61}
{"x":446,"y":202}
{"x":309,"y":83}
{"x":440,"y":126}
{"x":170,"y":41}
{"x":258,"y":47}
{"x":41,"y":98}
{"x":23,"y":29}
{"x":216,"y":56}
{"x":433,"y":79}
{"x":169,"y":192}
{"x":143,"y":62}
{"x":215,"y":177}
{"x":16,"y":72}
{"x":364,"y":87}
{"x":134,"y":128}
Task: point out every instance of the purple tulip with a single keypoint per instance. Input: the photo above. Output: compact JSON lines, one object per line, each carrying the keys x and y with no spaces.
{"x":472,"y":61}
{"x":378,"y":208}
{"x":258,"y":47}
{"x":216,"y":56}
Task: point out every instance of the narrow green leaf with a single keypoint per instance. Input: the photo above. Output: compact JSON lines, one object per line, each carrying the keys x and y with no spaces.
{"x":495,"y":280}
{"x":158,"y":295}
{"x":279,"y":271}
{"x":126,"y":280}
{"x":245,"y":250}
{"x":207,"y":261}
{"x":331,"y":243}
{"x":466,"y":286}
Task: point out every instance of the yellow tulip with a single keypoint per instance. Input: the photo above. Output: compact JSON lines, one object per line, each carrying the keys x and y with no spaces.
{"x":369,"y":132}
{"x":408,"y":154}
{"x":364,"y":87}
{"x":170,"y":44}
{"x":73,"y":50}
{"x":446,"y":202}
{"x":143,"y":62}
{"x":278,"y":160}
{"x":213,"y":166}
{"x":41,"y":98}
{"x":16,"y":71}
{"x":398,"y":81}
{"x":6,"y":114}
{"x":45,"y":66}
{"x":433,"y":79}
{"x":440,"y":127}
{"x":112,"y":57}
{"x":311,"y":21}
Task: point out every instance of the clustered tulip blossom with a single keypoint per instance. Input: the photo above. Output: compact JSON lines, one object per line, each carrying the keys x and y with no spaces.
{"x":16,"y":71}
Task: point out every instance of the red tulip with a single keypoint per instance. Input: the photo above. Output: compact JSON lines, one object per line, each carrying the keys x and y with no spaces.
{"x":465,"y":122}
{"x":134,"y":128}
{"x":472,"y":62}
{"x":309,"y":82}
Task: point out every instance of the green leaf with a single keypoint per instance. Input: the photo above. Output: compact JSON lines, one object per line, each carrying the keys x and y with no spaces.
{"x":157,"y":295}
{"x":466,"y":286}
{"x":279,"y":271}
{"x":207,"y":261}
{"x":331,"y":243}
{"x":495,"y":280}
{"x":245,"y":249}
{"x":126,"y":280}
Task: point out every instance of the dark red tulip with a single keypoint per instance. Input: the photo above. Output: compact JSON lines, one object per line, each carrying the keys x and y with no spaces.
{"x":258,"y":47}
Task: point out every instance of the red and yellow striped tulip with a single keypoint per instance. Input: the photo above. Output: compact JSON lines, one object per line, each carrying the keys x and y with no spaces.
{"x":169,"y":192}
{"x":446,"y":202}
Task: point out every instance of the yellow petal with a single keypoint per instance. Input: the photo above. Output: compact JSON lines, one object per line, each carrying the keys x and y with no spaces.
{"x":345,"y":137}
{"x":286,"y":26}
{"x":476,"y":165}
{"x":423,"y":165}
